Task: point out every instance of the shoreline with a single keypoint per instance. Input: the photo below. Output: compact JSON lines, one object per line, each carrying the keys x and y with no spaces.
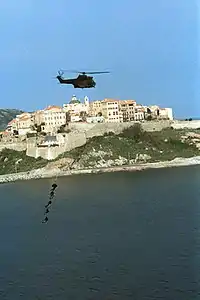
{"x":55,"y":173}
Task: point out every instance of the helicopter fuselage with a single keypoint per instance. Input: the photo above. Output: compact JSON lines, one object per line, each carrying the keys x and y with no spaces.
{"x":81,"y":82}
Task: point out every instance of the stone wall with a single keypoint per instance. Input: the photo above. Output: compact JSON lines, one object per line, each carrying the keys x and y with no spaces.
{"x":72,"y":140}
{"x":100,"y":128}
{"x":49,"y":152}
{"x":81,"y":127}
{"x":186,"y":124}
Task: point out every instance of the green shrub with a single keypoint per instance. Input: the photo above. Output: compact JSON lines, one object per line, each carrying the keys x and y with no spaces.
{"x":110,"y":133}
{"x":9,"y":159}
{"x":134,"y":132}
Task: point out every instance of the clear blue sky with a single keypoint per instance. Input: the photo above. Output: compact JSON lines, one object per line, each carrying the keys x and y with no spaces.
{"x":150,"y":46}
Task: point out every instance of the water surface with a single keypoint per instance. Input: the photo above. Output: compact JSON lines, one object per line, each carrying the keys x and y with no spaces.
{"x":109,"y":236}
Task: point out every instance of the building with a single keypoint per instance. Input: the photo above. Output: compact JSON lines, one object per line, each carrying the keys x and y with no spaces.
{"x":38,"y":117}
{"x":75,"y":107}
{"x":111,"y":111}
{"x":95,"y":108}
{"x":12,"y":127}
{"x":156,"y":113}
{"x":21,"y":125}
{"x":54,"y":118}
{"x":122,"y":111}
{"x":25,"y":123}
{"x":152,"y":112}
{"x":139,"y":113}
{"x":127,"y":110}
{"x":166,"y":113}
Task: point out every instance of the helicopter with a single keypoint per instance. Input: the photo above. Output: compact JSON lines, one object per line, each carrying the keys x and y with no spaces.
{"x":82,"y":81}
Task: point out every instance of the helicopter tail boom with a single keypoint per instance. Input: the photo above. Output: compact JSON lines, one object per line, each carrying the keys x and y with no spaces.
{"x":66,"y":81}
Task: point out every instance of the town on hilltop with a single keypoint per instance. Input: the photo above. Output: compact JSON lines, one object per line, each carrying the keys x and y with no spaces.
{"x":53,"y":119}
{"x":90,"y":134}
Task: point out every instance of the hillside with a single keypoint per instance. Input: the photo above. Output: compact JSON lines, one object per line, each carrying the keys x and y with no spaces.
{"x":131,"y":147}
{"x":6,"y":115}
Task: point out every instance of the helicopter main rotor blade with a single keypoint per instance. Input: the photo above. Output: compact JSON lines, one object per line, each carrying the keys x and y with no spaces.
{"x":97,"y":72}
{"x":80,"y":72}
{"x":71,"y":71}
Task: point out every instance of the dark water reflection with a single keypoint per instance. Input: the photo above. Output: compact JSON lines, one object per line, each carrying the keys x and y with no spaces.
{"x":109,"y":236}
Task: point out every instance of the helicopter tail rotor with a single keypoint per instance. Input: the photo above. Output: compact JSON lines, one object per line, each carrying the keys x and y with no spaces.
{"x":60,"y":72}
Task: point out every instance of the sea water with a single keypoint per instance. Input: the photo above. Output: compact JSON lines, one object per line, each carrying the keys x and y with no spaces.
{"x":133,"y":235}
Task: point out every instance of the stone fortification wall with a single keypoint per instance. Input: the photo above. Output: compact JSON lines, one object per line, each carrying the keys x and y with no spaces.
{"x":81,"y":127}
{"x":186,"y":124}
{"x":72,"y":140}
{"x":102,"y":128}
{"x":31,"y":147}
{"x":49,"y":152}
{"x":156,"y":126}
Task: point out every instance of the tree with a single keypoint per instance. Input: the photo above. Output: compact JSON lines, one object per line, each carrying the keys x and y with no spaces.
{"x":135,"y":132}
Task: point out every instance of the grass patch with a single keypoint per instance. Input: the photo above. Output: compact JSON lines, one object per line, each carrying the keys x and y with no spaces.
{"x":9,"y":159}
{"x":160,"y":145}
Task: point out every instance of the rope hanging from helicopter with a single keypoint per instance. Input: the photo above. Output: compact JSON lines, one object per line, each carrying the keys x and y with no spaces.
{"x":51,"y":196}
{"x":54,"y":185}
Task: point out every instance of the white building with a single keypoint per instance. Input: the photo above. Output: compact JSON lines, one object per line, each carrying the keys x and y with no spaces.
{"x":21,"y":125}
{"x":169,"y":113}
{"x":159,"y":113}
{"x":111,"y":111}
{"x":54,"y":117}
{"x":12,"y":126}
{"x":75,"y":107}
{"x":25,"y":123}
{"x":139,"y":113}
{"x":95,"y":108}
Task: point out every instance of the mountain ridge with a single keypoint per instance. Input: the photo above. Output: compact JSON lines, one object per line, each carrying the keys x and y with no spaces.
{"x":8,"y":114}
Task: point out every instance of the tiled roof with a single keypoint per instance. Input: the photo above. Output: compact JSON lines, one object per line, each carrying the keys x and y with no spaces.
{"x":24,"y":118}
{"x":109,"y":100}
{"x":11,"y":122}
{"x":127,"y":102}
{"x":52,"y":107}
